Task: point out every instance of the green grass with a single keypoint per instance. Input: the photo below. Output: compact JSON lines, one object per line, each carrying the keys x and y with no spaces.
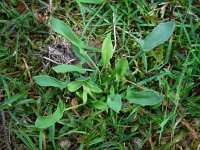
{"x":171,"y":68}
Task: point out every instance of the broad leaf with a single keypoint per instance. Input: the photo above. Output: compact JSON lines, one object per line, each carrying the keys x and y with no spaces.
{"x":144,"y":98}
{"x":68,"y":68}
{"x":99,"y":105}
{"x":121,"y":67}
{"x":114,"y":102}
{"x":159,"y":35}
{"x":92,"y":1}
{"x":107,"y":51}
{"x":75,"y":85}
{"x":43,"y":122}
{"x":93,"y":87}
{"x":45,"y":80}
{"x":63,"y":29}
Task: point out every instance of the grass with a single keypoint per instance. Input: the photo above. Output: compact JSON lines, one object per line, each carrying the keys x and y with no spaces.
{"x":171,"y":69}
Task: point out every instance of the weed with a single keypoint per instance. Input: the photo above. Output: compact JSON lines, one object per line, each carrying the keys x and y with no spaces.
{"x":128,"y":91}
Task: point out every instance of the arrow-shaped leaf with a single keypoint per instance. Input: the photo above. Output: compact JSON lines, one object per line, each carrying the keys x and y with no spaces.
{"x":144,"y":98}
{"x":107,"y":51}
{"x":63,"y":29}
{"x":68,"y":68}
{"x":114,"y":102}
{"x":45,"y":80}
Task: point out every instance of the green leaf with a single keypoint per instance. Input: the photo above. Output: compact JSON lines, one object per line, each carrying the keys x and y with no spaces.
{"x":107,"y":51}
{"x":63,"y":29}
{"x":75,"y":85}
{"x":43,"y":122}
{"x":159,"y":35}
{"x":121,"y":67}
{"x":144,"y":59}
{"x":99,"y":105}
{"x":85,"y":97}
{"x":93,"y":87}
{"x":92,"y":1}
{"x":114,"y":102}
{"x":45,"y":80}
{"x":68,"y":68}
{"x":144,"y":98}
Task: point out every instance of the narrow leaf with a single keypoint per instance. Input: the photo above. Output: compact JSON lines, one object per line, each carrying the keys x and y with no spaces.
{"x":11,"y":100}
{"x":114,"y":102}
{"x":43,"y":122}
{"x":68,"y":68}
{"x":92,"y":1}
{"x":107,"y":51}
{"x":144,"y":59}
{"x":85,"y":97}
{"x":45,"y":80}
{"x":143,"y":98}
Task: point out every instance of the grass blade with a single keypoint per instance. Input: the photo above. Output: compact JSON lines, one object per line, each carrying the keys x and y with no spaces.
{"x":92,"y":1}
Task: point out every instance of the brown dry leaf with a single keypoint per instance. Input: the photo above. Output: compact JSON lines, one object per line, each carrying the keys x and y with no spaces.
{"x":74,"y":102}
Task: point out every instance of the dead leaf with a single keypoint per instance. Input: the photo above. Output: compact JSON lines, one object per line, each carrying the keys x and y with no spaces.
{"x":74,"y":102}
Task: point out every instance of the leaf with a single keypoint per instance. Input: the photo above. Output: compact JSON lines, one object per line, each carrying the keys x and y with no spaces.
{"x":144,"y":59}
{"x":68,"y":68}
{"x":159,"y":35}
{"x":43,"y":122}
{"x":45,"y":80}
{"x":121,"y":67}
{"x":75,"y":85}
{"x":93,"y":87}
{"x":114,"y":102}
{"x":107,"y":51}
{"x":144,"y":98}
{"x":92,"y":1}
{"x":63,"y":29}
{"x":99,"y":105}
{"x":74,"y":102}
{"x":26,"y":139}
{"x":85,"y":97}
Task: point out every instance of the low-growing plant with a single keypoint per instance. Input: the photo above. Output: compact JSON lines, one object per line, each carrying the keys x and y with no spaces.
{"x":105,"y":85}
